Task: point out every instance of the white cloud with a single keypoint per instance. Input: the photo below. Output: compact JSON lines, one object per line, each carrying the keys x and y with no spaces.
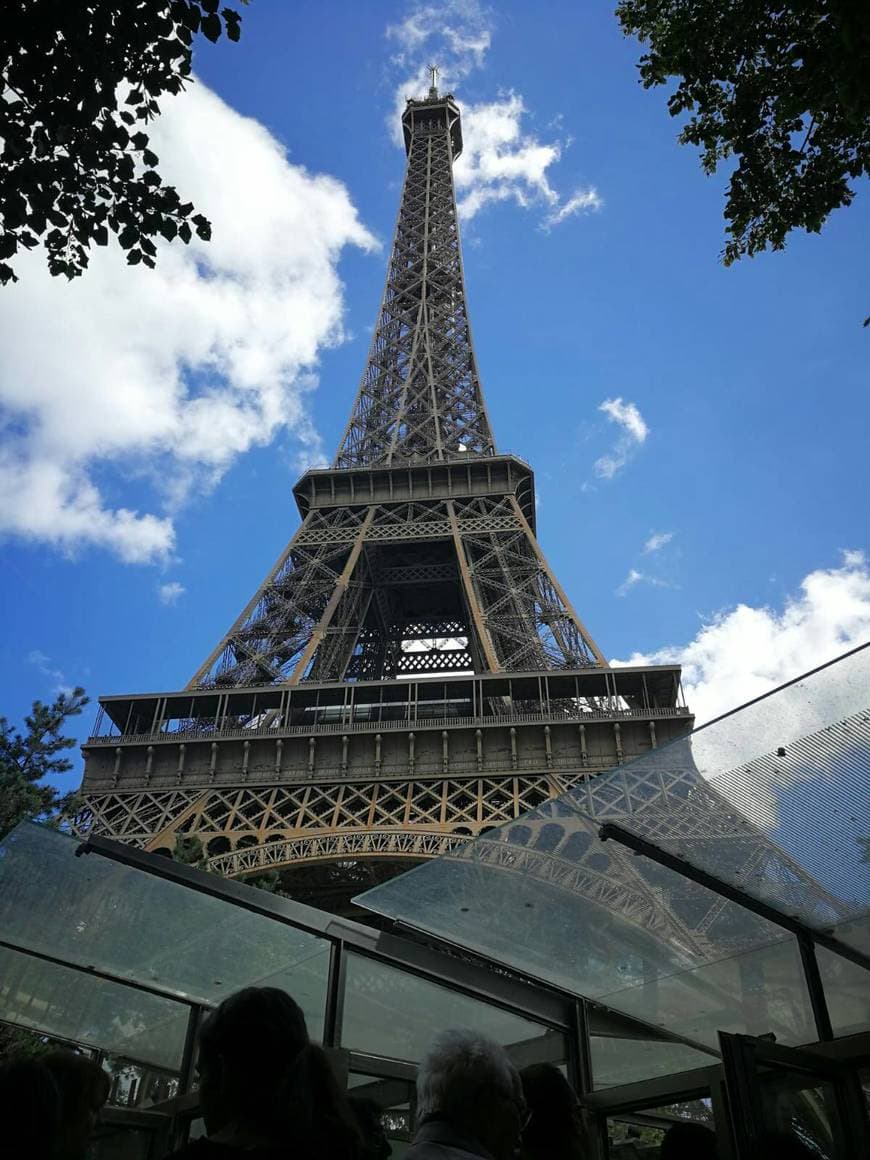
{"x":657,"y":541}
{"x":635,"y":577}
{"x":581,"y":201}
{"x":501,"y":159}
{"x":743,"y":651}
{"x":167,"y":376}
{"x":45,"y":666}
{"x":634,"y":433}
{"x":170,"y":593}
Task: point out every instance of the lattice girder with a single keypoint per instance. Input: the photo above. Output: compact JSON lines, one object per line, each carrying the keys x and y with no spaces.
{"x":324,"y":615}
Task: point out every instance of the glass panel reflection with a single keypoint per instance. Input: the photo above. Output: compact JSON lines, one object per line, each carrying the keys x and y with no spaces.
{"x":620,"y":1061}
{"x":72,"y":1005}
{"x":771,"y":798}
{"x":847,"y":990}
{"x":94,"y":912}
{"x":392,"y":1013}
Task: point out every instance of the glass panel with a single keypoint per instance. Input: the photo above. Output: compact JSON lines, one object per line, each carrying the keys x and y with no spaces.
{"x":760,"y":992}
{"x":604,"y":923}
{"x":847,"y":990}
{"x":392,"y":1013}
{"x":84,"y":1009}
{"x":136,"y":1086}
{"x":631,"y":1140}
{"x":771,"y":798}
{"x":803,"y":1107}
{"x":640,"y":1135}
{"x":621,"y":1061}
{"x":95,"y":912}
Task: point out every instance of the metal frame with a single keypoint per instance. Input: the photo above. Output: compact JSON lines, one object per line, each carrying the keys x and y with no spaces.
{"x":743,"y":1057}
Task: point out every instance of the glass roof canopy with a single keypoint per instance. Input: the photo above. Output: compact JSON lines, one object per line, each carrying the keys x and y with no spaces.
{"x":728,"y":890}
{"x":120,"y":952}
{"x":622,"y":966}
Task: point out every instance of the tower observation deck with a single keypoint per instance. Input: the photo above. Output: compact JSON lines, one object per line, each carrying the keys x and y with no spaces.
{"x":410,"y":672}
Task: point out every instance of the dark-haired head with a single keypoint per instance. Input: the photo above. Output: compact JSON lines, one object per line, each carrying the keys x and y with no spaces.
{"x":83,"y":1087}
{"x":262,"y":1077}
{"x":29,"y":1109}
{"x":688,"y":1142}
{"x":554,"y":1128}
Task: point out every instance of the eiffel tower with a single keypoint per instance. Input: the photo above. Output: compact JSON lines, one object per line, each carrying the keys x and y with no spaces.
{"x":410,"y":673}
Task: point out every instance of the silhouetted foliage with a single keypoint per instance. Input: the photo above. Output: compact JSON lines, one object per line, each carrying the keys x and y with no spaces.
{"x":80,"y":82}
{"x":190,"y":850}
{"x":18,"y":1042}
{"x":268,"y":880}
{"x":784,"y":88}
{"x":26,"y":758}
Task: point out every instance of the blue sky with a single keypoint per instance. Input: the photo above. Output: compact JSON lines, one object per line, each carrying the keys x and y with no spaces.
{"x":699,"y":433}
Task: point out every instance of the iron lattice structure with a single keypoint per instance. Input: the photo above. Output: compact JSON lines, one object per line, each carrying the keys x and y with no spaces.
{"x":416,"y":564}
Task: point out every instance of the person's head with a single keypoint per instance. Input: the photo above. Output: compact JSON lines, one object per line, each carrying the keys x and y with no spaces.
{"x":369,"y":1121}
{"x":83,"y":1087}
{"x":29,"y":1109}
{"x":259,"y":1072}
{"x":469,"y":1081}
{"x":554,"y":1112}
{"x":688,"y":1142}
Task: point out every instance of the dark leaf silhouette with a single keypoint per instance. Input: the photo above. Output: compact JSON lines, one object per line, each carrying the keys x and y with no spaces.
{"x":74,"y":120}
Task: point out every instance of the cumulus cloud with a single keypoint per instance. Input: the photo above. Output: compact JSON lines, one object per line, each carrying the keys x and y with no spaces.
{"x":171,"y":592}
{"x":634,"y":431}
{"x":501,"y":160}
{"x":165,"y":377}
{"x":743,"y":652}
{"x":657,"y":541}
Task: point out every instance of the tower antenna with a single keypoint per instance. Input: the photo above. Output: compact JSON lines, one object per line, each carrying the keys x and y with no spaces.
{"x":433,"y":88}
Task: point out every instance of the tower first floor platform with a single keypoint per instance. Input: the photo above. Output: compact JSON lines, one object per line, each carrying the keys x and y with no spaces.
{"x":277,"y":776}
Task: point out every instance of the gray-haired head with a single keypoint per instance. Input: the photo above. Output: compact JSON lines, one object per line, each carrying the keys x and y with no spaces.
{"x":460,"y":1074}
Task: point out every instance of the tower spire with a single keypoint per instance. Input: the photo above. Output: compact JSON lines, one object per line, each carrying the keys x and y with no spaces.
{"x":433,"y":88}
{"x":420,"y":398}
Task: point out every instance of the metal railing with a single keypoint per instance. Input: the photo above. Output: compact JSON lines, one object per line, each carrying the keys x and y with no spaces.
{"x":206,"y":733}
